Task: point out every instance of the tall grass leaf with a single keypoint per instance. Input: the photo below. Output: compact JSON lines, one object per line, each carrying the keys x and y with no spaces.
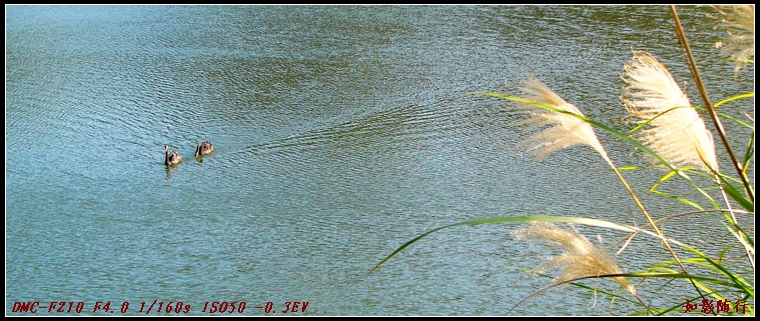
{"x":738,"y":280}
{"x":748,"y":155}
{"x":694,"y":277}
{"x":730,"y":99}
{"x":675,"y":130}
{"x":737,"y":196}
{"x":738,"y":121}
{"x":662,"y":180}
{"x":678,"y":198}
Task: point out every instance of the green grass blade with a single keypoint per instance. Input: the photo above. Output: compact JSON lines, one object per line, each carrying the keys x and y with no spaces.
{"x":738,"y":121}
{"x":662,"y":180}
{"x":750,"y":153}
{"x":694,"y":277}
{"x":739,"y":281}
{"x":737,"y":97}
{"x":736,"y":195}
{"x":679,"y":198}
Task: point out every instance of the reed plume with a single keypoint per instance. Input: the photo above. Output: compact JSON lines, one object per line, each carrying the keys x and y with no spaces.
{"x":564,"y":130}
{"x":567,"y":127}
{"x":739,"y":23}
{"x":673,"y":128}
{"x":579,"y":258}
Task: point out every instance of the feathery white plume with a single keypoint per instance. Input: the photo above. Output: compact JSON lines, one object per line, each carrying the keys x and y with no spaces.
{"x":563,"y":131}
{"x":675,"y":130}
{"x":579,"y":258}
{"x":739,"y":23}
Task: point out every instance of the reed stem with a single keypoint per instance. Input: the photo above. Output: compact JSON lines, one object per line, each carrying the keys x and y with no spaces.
{"x":718,"y":125}
{"x":708,"y":105}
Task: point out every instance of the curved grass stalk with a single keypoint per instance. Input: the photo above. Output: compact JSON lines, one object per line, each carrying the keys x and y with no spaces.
{"x":741,"y":236}
{"x":738,"y":121}
{"x":738,"y":281}
{"x":701,"y":281}
{"x":729,"y":190}
{"x":734,"y":98}
{"x":672,"y":275}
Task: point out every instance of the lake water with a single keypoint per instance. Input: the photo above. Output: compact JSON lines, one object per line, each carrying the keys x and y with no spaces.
{"x":340,"y":133}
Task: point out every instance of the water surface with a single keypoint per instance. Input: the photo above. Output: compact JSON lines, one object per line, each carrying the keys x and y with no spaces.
{"x":340,"y":133}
